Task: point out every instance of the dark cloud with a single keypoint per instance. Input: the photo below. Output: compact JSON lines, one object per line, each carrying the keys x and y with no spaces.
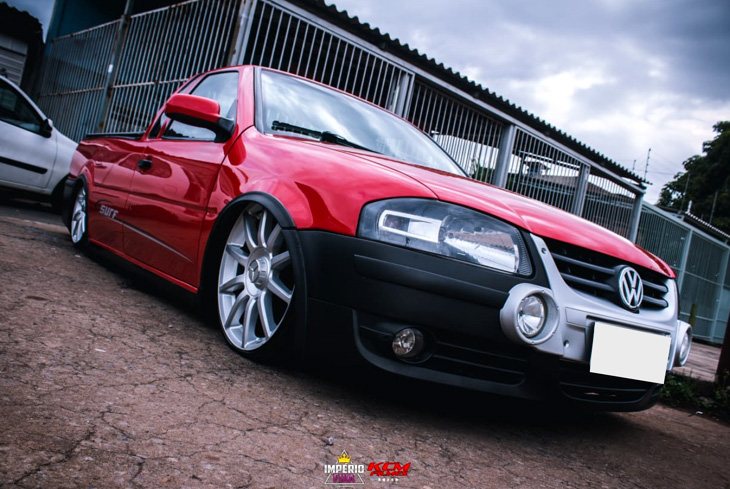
{"x":620,"y":75}
{"x":528,"y":38}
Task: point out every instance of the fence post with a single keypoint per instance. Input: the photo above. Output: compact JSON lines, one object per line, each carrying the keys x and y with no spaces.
{"x":242,"y":32}
{"x":723,"y":366}
{"x":720,"y":287}
{"x":683,"y":263}
{"x":581,"y":190}
{"x":111,"y":74}
{"x":506,"y":145}
{"x":635,"y":217}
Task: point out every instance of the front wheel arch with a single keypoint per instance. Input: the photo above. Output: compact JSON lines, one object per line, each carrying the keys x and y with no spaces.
{"x":225,"y":221}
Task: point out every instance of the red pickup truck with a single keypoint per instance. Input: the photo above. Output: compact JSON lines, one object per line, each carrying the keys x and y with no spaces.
{"x":315,"y":223}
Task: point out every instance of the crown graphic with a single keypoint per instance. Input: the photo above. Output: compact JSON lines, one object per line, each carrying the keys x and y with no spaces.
{"x":344,"y":458}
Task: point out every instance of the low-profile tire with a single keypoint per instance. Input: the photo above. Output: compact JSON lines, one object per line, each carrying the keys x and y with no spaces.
{"x":57,"y":196}
{"x":79,"y":219}
{"x":255,"y":285}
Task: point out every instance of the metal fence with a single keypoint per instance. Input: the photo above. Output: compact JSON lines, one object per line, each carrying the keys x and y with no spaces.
{"x":470,"y":136}
{"x":72,"y":84}
{"x":290,"y":40}
{"x":609,"y":204}
{"x":116,"y":75}
{"x":702,"y":266}
{"x":541,"y":171}
{"x":85,"y":89}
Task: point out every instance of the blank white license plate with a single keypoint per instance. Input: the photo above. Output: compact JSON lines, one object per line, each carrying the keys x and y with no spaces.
{"x":628,"y":353}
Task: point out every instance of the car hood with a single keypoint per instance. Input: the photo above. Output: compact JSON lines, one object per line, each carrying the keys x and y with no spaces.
{"x":534,"y":216}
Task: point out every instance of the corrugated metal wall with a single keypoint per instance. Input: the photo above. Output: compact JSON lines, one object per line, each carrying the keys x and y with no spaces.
{"x":13,"y":53}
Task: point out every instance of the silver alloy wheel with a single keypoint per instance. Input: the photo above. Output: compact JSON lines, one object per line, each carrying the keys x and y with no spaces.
{"x":255,"y":280}
{"x":78,"y":217}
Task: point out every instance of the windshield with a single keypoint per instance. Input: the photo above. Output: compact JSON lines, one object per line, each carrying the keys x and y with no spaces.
{"x":294,"y":106}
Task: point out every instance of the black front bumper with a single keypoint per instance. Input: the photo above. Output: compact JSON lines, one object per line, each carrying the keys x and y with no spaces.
{"x":360,"y":293}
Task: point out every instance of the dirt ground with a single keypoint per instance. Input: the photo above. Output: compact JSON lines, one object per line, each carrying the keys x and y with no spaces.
{"x":105,"y":382}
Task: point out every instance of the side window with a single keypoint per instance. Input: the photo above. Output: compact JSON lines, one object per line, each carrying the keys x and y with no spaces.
{"x":221,"y":87}
{"x":15,"y":110}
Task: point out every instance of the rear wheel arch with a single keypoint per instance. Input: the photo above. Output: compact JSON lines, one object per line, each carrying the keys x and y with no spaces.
{"x":67,"y":205}
{"x":57,"y":195}
{"x":78,"y":214}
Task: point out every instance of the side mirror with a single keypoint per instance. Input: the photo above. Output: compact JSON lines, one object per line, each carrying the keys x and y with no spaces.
{"x":199,"y":112}
{"x":46,"y":128}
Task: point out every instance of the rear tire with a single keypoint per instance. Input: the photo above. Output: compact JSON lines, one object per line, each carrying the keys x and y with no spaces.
{"x":79,"y":222}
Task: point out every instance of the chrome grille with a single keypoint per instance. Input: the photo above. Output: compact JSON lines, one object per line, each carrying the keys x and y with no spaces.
{"x":596,"y":274}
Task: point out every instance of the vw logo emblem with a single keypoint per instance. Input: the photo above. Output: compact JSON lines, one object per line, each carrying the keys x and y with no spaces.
{"x":630,"y":288}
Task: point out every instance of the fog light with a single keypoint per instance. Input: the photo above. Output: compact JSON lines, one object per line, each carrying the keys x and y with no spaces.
{"x":531,"y":315}
{"x":684,"y":348}
{"x":408,"y":343}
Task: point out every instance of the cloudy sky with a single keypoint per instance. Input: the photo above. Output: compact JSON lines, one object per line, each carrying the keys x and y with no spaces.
{"x":621,"y":76}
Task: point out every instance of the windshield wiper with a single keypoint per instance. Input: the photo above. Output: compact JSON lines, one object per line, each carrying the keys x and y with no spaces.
{"x":324,"y":136}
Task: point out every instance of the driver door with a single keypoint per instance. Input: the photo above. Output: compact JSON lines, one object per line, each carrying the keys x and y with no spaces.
{"x":172,"y":184}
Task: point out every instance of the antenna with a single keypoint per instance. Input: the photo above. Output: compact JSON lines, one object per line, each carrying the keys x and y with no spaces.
{"x":646,"y":168}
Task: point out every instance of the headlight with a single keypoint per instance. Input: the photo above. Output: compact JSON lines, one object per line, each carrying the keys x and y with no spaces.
{"x":448,"y":230}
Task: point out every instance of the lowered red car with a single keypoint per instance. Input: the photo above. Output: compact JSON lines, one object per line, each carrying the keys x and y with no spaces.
{"x":313,"y":221}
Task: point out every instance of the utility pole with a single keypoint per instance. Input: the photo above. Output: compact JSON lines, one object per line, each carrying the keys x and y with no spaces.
{"x":686,"y":184}
{"x":712,"y":212}
{"x":646,"y":168}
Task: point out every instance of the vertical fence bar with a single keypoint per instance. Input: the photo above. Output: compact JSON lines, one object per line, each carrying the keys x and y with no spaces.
{"x":119,"y":45}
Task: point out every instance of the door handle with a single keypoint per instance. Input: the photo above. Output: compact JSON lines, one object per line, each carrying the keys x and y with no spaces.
{"x":144,"y":164}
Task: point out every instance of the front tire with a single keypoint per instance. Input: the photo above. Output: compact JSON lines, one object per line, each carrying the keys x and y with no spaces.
{"x":79,"y":222}
{"x":255,"y":285}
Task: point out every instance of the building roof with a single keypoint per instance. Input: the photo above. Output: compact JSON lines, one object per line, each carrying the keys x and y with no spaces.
{"x":705,"y":226}
{"x":20,"y":25}
{"x":396,"y":47}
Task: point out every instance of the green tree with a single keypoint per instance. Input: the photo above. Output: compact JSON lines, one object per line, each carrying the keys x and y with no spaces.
{"x":706,"y":181}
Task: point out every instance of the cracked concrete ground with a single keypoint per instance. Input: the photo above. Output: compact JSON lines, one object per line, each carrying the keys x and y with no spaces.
{"x":104,"y":383}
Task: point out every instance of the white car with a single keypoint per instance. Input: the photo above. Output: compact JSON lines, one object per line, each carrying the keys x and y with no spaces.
{"x":34,"y":156}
